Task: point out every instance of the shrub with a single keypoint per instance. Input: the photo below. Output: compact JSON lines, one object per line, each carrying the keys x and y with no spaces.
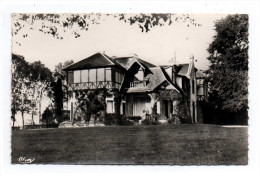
{"x":115,"y":119}
{"x":185,"y":120}
{"x":174,"y":120}
{"x":150,"y":122}
{"x":47,"y":116}
{"x":122,"y":120}
{"x":146,"y":122}
{"x":134,"y":118}
{"x":110,"y":119}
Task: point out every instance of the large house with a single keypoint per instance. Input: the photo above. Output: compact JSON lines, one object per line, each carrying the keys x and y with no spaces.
{"x":144,"y":87}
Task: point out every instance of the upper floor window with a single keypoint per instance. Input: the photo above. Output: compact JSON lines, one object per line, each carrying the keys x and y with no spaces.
{"x":118,"y":76}
{"x":84,"y":75}
{"x":100,"y":74}
{"x":92,"y":75}
{"x":77,"y":76}
{"x":108,"y":74}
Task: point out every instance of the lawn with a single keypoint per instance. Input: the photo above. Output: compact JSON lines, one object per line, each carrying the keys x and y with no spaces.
{"x":160,"y":144}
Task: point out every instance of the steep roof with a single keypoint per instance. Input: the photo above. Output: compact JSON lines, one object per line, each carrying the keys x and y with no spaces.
{"x":183,"y":69}
{"x":180,"y":69}
{"x":126,"y":62}
{"x":94,"y":61}
{"x":200,"y":74}
{"x":156,"y":79}
{"x":169,"y":79}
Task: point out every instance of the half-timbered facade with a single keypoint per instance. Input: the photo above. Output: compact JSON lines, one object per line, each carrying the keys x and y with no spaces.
{"x":145,"y":88}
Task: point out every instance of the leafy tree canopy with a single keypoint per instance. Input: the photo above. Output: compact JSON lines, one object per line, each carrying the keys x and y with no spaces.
{"x":228,"y":72}
{"x":58,"y":72}
{"x":39,"y":72}
{"x":57,"y":24}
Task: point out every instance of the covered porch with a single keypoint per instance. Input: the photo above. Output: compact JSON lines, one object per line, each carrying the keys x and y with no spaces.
{"x":164,"y":103}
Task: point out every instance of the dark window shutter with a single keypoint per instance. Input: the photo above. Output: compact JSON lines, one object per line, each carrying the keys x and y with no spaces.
{"x":70,"y":77}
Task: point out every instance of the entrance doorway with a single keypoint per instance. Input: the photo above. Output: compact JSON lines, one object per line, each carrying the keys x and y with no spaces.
{"x":140,"y":104}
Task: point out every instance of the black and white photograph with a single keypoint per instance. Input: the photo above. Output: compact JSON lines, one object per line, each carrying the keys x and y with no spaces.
{"x":132,"y":89}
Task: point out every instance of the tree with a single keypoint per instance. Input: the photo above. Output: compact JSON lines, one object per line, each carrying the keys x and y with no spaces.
{"x":59,"y":73}
{"x":29,"y":83}
{"x":228,"y":72}
{"x":47,"y":116}
{"x":41,"y":78}
{"x":57,"y":93}
{"x":20,"y":86}
{"x":90,"y":102}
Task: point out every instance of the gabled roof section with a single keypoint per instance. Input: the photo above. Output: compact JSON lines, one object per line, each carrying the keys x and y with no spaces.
{"x":184,"y":68}
{"x":94,"y":61}
{"x":180,"y":69}
{"x":126,"y":62}
{"x":156,"y":79}
{"x":169,"y":79}
{"x":200,"y":74}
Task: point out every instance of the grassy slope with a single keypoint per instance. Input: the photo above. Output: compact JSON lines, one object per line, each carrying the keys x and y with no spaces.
{"x":162,"y":144}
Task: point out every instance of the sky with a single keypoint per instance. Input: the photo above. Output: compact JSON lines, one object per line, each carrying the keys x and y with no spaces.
{"x":117,"y":38}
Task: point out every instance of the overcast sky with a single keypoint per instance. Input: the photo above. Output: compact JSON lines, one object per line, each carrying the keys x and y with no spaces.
{"x":117,"y":38}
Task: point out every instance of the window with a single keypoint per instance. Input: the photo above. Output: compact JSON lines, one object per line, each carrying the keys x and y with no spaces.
{"x":84,"y":75}
{"x":92,"y":75}
{"x":158,"y":107}
{"x":77,"y":76}
{"x":100,"y":74}
{"x":110,"y":106}
{"x":108,"y":75}
{"x":70,"y":77}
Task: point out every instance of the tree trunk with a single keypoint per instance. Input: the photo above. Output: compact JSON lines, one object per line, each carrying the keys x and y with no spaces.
{"x":23,"y":119}
{"x":40,"y":104}
{"x":32,"y":118}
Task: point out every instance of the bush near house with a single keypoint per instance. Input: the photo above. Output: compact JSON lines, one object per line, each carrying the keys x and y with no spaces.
{"x":134,"y":118}
{"x":116,"y":119}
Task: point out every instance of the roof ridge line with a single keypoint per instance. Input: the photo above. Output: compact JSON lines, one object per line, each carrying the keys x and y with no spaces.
{"x":107,"y":58}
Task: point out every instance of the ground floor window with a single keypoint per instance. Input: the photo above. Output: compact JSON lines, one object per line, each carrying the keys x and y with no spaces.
{"x":122,"y":107}
{"x":110,"y":106}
